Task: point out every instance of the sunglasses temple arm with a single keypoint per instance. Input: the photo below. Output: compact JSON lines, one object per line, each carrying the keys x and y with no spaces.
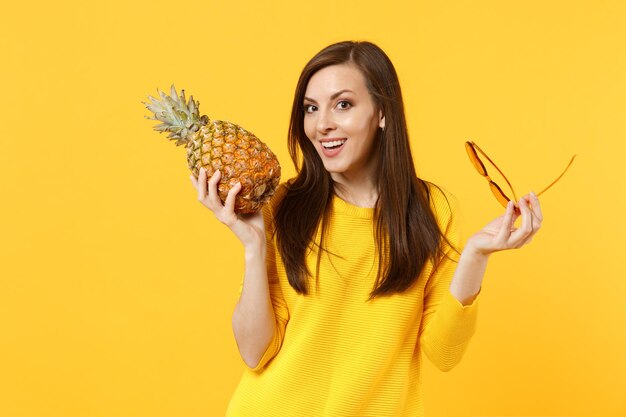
{"x":558,"y":178}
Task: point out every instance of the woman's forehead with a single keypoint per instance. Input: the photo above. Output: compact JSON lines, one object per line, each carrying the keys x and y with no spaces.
{"x":333,"y":79}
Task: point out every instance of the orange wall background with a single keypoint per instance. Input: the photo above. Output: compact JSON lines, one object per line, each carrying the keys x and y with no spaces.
{"x":117,"y":286}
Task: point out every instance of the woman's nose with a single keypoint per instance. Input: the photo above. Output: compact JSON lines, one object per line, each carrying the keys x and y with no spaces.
{"x":325,"y":121}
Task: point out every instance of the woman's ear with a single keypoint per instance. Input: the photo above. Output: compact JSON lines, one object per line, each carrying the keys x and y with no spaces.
{"x":381,"y":123}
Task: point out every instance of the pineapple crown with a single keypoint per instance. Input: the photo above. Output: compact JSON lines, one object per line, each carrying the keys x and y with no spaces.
{"x":178,"y":117}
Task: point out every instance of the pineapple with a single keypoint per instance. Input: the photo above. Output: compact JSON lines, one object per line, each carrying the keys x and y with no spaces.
{"x":237,"y":153}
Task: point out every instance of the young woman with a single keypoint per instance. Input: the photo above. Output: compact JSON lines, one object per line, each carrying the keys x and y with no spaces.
{"x":353,"y":268}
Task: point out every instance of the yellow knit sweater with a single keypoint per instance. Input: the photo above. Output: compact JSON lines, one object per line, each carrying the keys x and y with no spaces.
{"x":334,"y":354}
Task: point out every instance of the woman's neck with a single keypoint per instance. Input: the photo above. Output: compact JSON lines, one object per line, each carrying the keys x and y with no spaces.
{"x":361,"y":192}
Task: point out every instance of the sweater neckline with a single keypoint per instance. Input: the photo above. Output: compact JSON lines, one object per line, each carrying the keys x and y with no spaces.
{"x":342,"y":206}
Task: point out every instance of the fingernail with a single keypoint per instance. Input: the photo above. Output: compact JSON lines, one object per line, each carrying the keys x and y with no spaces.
{"x":533,"y":194}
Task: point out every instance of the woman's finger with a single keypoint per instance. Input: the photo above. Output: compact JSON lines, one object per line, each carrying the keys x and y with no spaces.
{"x":535,"y":211}
{"x":515,"y":215}
{"x":536,"y":217}
{"x":505,"y":227}
{"x":202,"y":184}
{"x":536,"y":207}
{"x":214,"y":198}
{"x":229,"y":205}
{"x":518,"y":237}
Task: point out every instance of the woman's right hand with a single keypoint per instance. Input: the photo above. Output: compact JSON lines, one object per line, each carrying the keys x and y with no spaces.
{"x":249,"y":228}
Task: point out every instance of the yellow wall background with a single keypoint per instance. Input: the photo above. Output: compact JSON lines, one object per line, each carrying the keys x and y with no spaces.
{"x":117,"y":286}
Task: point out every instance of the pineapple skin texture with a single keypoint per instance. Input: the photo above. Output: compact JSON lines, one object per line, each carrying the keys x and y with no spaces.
{"x":241,"y":157}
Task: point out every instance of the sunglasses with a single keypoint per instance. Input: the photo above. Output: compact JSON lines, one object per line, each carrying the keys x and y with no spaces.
{"x":471,"y":149}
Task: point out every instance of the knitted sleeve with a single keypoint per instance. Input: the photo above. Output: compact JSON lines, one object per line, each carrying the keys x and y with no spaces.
{"x":447,"y":325}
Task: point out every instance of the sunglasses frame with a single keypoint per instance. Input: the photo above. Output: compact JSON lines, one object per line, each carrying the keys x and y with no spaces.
{"x":471,"y":149}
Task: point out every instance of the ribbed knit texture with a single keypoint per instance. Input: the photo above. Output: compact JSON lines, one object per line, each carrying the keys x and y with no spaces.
{"x":334,"y":353}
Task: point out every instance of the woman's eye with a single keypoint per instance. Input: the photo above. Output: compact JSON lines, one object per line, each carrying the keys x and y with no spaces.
{"x":345,"y":102}
{"x":343,"y":105}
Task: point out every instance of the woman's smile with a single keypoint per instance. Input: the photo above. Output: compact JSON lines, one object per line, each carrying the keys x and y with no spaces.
{"x":331,"y":147}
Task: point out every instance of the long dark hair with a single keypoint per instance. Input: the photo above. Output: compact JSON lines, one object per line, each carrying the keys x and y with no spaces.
{"x":406,"y":229}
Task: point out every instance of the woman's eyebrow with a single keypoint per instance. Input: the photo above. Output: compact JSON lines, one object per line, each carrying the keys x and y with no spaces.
{"x":334,"y":96}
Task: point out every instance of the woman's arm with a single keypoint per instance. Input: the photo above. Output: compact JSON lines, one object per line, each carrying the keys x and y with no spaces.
{"x":256,"y":331}
{"x":253,"y":320}
{"x":468,"y":276}
{"x":453,"y":291}
{"x":496,"y":236}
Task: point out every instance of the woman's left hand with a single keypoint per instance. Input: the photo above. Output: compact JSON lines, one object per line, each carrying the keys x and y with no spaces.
{"x":500,"y":234}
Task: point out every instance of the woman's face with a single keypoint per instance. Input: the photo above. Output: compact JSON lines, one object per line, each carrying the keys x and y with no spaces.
{"x":342,"y":121}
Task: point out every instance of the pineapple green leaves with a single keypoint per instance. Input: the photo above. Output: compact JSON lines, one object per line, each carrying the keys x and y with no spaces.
{"x":179,"y":117}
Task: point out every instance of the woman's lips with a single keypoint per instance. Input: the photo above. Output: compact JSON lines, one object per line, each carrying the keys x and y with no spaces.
{"x":333,"y":151}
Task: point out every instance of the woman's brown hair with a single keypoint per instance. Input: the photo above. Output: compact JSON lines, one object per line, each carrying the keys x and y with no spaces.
{"x":406,"y":228}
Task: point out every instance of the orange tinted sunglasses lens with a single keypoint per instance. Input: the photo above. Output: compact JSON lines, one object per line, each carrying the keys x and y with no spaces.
{"x":478,"y":164}
{"x":480,"y":167}
{"x":498,"y":193}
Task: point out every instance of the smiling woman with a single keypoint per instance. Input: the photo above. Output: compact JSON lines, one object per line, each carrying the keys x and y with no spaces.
{"x":382,"y":244}
{"x":346,"y":95}
{"x":343,"y":129}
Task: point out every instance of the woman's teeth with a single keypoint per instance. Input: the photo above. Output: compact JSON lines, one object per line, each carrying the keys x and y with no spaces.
{"x":334,"y":143}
